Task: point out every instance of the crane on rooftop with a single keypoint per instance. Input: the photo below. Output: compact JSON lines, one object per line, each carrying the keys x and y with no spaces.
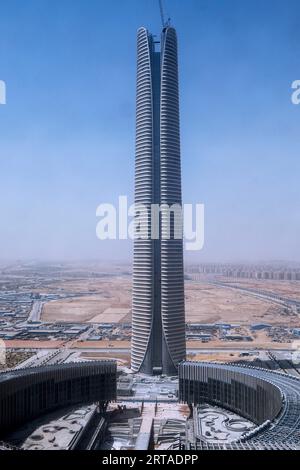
{"x":162,"y":14}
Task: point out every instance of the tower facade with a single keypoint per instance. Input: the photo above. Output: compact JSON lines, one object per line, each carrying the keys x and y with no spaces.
{"x":158,"y":319}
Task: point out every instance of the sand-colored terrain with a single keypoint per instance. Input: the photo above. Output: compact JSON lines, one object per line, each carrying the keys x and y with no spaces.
{"x":108,"y":300}
{"x":101,"y":344}
{"x":111,"y":315}
{"x":219,"y":357}
{"x":80,"y":309}
{"x":52,"y":344}
{"x":206,"y":303}
{"x":260,"y":342}
{"x":111,"y":302}
{"x":289,"y":289}
{"x":33,"y":344}
{"x":122,"y":359}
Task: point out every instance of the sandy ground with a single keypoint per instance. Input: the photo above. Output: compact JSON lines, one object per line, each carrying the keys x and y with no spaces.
{"x":219,"y":357}
{"x":111,"y":303}
{"x":81,"y":309}
{"x":209,"y":304}
{"x":28,"y":344}
{"x":261,"y":342}
{"x":111,"y":315}
{"x":290,"y":289}
{"x":122,"y":359}
{"x":34,"y":344}
{"x":101,"y":344}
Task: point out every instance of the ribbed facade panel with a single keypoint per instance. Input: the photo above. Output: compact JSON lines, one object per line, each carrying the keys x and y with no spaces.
{"x":26,"y":394}
{"x":142,"y":305}
{"x":172,"y":278}
{"x":158,"y":323}
{"x":251,"y":396}
{"x":267,"y":397}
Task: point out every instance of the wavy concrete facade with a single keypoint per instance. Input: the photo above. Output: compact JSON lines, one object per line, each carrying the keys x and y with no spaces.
{"x":158,"y":322}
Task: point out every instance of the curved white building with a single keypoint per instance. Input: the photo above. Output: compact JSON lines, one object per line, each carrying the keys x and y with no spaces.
{"x":158,"y":321}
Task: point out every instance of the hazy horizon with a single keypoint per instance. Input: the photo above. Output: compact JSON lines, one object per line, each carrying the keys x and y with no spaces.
{"x":128,"y":261}
{"x":67,"y":132}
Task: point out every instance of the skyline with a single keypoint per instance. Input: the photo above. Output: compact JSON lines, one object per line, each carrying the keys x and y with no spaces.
{"x":67,"y":132}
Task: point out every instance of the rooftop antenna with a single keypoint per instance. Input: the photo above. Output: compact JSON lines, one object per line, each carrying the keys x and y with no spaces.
{"x":162,"y":14}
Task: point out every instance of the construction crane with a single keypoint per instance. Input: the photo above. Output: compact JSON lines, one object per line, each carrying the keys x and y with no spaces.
{"x":162,"y":14}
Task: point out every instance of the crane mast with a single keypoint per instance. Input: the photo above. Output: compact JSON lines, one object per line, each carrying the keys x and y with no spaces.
{"x":162,"y":14}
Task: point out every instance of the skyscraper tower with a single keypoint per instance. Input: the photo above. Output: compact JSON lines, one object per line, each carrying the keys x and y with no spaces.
{"x":158,"y":320}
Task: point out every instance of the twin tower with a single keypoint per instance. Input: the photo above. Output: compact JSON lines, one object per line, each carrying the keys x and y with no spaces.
{"x":158,"y":319}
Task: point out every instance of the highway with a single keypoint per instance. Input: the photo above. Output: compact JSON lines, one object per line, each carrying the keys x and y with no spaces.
{"x":35,"y":314}
{"x":193,"y":350}
{"x":265,"y":295}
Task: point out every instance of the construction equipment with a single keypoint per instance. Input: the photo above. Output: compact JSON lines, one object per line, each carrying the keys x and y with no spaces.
{"x":165,"y":23}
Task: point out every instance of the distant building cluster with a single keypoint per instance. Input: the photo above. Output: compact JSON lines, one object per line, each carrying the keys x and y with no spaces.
{"x":234,"y":332}
{"x":212,"y":331}
{"x":267,"y":272}
{"x":38,"y":331}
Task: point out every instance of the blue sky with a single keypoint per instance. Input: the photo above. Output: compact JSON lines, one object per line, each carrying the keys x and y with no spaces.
{"x":67,"y":130}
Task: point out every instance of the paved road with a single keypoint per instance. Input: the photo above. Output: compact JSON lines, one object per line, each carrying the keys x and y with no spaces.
{"x":265,"y":295}
{"x":35,"y":314}
{"x":197,"y":351}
